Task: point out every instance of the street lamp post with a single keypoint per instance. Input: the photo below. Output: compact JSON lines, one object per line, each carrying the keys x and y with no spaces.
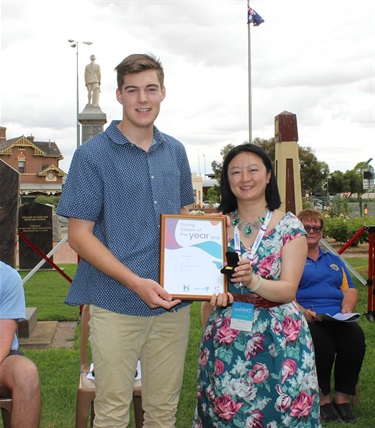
{"x":74,"y":44}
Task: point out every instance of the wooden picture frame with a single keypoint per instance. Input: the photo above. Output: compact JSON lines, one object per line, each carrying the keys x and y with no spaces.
{"x":192,"y":253}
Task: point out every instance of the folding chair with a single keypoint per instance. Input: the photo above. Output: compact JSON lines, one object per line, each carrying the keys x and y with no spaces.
{"x":6,"y":407}
{"x":86,"y":387}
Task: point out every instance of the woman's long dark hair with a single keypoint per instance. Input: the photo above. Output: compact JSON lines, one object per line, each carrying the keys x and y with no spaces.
{"x":228,"y":201}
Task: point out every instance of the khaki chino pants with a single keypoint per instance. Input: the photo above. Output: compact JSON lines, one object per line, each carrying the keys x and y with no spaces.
{"x":117,"y":342}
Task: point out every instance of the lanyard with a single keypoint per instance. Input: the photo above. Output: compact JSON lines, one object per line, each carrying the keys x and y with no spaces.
{"x":253,"y":249}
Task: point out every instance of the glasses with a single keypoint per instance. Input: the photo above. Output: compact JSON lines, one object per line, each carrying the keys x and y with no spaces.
{"x":315,"y":229}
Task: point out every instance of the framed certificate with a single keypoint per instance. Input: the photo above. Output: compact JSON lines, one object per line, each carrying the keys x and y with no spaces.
{"x":192,"y":255}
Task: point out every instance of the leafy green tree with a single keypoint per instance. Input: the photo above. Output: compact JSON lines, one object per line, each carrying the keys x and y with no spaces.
{"x":353,"y":182}
{"x":313,"y":172}
{"x":268,"y":146}
{"x":218,"y":166}
{"x":336,"y":182}
{"x":213,"y":194}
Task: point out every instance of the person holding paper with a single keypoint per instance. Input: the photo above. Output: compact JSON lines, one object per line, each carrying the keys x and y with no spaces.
{"x":119,"y":183}
{"x":327,"y":288}
{"x":256,"y":364}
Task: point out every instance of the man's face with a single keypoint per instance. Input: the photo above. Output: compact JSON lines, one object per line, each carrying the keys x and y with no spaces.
{"x":140,"y":96}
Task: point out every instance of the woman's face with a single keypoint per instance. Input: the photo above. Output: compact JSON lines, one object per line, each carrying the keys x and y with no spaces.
{"x":248,"y":177}
{"x":314,"y":231}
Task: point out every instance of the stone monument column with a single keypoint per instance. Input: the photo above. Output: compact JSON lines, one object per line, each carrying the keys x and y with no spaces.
{"x":287,"y":167}
{"x":92,"y":117}
{"x":92,"y":120}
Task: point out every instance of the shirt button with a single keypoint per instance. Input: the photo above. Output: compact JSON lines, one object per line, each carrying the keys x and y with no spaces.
{"x":152,"y":177}
{"x":155,"y":202}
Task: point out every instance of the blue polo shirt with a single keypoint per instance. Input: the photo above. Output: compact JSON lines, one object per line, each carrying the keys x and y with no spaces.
{"x":322,"y":284}
{"x":124,"y":189}
{"x":12,"y":297}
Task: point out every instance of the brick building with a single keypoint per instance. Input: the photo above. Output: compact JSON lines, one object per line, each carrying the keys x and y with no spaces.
{"x":36,"y":161}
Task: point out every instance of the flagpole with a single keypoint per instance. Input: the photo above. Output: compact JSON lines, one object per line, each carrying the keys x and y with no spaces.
{"x":249,"y":74}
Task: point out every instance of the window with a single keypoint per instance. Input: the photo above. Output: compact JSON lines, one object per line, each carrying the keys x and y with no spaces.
{"x":21,"y":166}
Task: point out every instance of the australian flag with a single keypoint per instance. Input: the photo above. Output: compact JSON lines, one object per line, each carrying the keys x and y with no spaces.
{"x":253,"y":17}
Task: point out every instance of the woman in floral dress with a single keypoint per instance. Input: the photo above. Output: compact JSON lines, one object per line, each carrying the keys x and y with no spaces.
{"x":258,"y":371}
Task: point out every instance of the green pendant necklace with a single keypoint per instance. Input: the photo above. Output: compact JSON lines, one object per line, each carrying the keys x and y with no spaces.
{"x":248,"y":229}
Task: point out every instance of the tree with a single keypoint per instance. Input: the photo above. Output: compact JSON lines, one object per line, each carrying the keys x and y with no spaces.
{"x":217,"y":167}
{"x":213,"y":194}
{"x":336,"y":182}
{"x":313,"y":172}
{"x":353,"y":182}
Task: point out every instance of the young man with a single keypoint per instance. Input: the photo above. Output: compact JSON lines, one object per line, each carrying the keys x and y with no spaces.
{"x":119,"y":183}
{"x":18,"y":375}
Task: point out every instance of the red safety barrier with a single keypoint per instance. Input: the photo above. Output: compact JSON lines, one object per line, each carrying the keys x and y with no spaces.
{"x":371,"y":267}
{"x":44,"y":256}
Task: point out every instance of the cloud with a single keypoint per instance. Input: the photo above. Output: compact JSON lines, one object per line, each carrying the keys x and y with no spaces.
{"x":316,"y":62}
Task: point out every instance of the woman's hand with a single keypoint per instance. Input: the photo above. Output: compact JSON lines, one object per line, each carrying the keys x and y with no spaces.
{"x":243,"y":273}
{"x":222,"y":299}
{"x":310,"y":315}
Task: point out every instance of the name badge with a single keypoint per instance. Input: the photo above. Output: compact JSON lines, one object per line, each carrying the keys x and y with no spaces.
{"x":242,"y":316}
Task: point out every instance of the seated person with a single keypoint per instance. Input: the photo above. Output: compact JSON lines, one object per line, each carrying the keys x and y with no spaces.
{"x":18,"y":375}
{"x":327,"y":288}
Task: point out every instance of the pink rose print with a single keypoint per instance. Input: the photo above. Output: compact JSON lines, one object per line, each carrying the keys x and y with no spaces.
{"x":225,"y":407}
{"x":210,"y":393}
{"x":265,"y":265}
{"x":288,"y":369}
{"x":203,"y":357}
{"x":254,"y":346}
{"x":291,"y":328}
{"x":259,"y":373}
{"x":287,"y":237}
{"x":219,"y":367}
{"x":208,"y":333}
{"x":283,"y":402}
{"x":301,"y":406}
{"x":225,"y":334}
{"x":255,"y":420}
{"x":276,"y":326}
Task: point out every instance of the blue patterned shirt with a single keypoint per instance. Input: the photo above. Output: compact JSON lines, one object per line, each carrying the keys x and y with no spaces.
{"x":123,"y":190}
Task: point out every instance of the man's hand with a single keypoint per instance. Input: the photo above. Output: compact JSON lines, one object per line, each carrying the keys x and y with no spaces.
{"x":155,"y":296}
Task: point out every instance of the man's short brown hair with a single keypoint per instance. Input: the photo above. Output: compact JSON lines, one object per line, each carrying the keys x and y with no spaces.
{"x":137,"y":63}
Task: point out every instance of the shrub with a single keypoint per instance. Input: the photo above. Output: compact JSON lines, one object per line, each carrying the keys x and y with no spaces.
{"x":52,"y":200}
{"x":343,"y":228}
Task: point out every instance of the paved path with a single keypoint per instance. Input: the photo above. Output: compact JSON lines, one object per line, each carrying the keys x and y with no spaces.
{"x":64,"y":335}
{"x":64,"y":254}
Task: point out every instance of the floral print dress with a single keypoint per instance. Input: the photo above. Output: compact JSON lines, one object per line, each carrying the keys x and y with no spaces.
{"x":265,"y":378}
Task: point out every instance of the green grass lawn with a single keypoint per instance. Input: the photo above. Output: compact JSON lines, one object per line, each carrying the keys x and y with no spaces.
{"x":59,"y":368}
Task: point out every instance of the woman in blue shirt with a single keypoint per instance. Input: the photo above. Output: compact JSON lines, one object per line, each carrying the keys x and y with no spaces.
{"x":327,"y":288}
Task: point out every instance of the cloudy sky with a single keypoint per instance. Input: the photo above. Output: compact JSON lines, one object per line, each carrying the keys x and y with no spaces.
{"x":313,"y":59}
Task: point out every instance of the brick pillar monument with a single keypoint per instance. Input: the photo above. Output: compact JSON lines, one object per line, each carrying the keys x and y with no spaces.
{"x":287,"y":162}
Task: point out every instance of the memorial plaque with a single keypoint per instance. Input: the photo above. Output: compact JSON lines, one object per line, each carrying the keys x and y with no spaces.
{"x":9,"y":197}
{"x":35,"y":222}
